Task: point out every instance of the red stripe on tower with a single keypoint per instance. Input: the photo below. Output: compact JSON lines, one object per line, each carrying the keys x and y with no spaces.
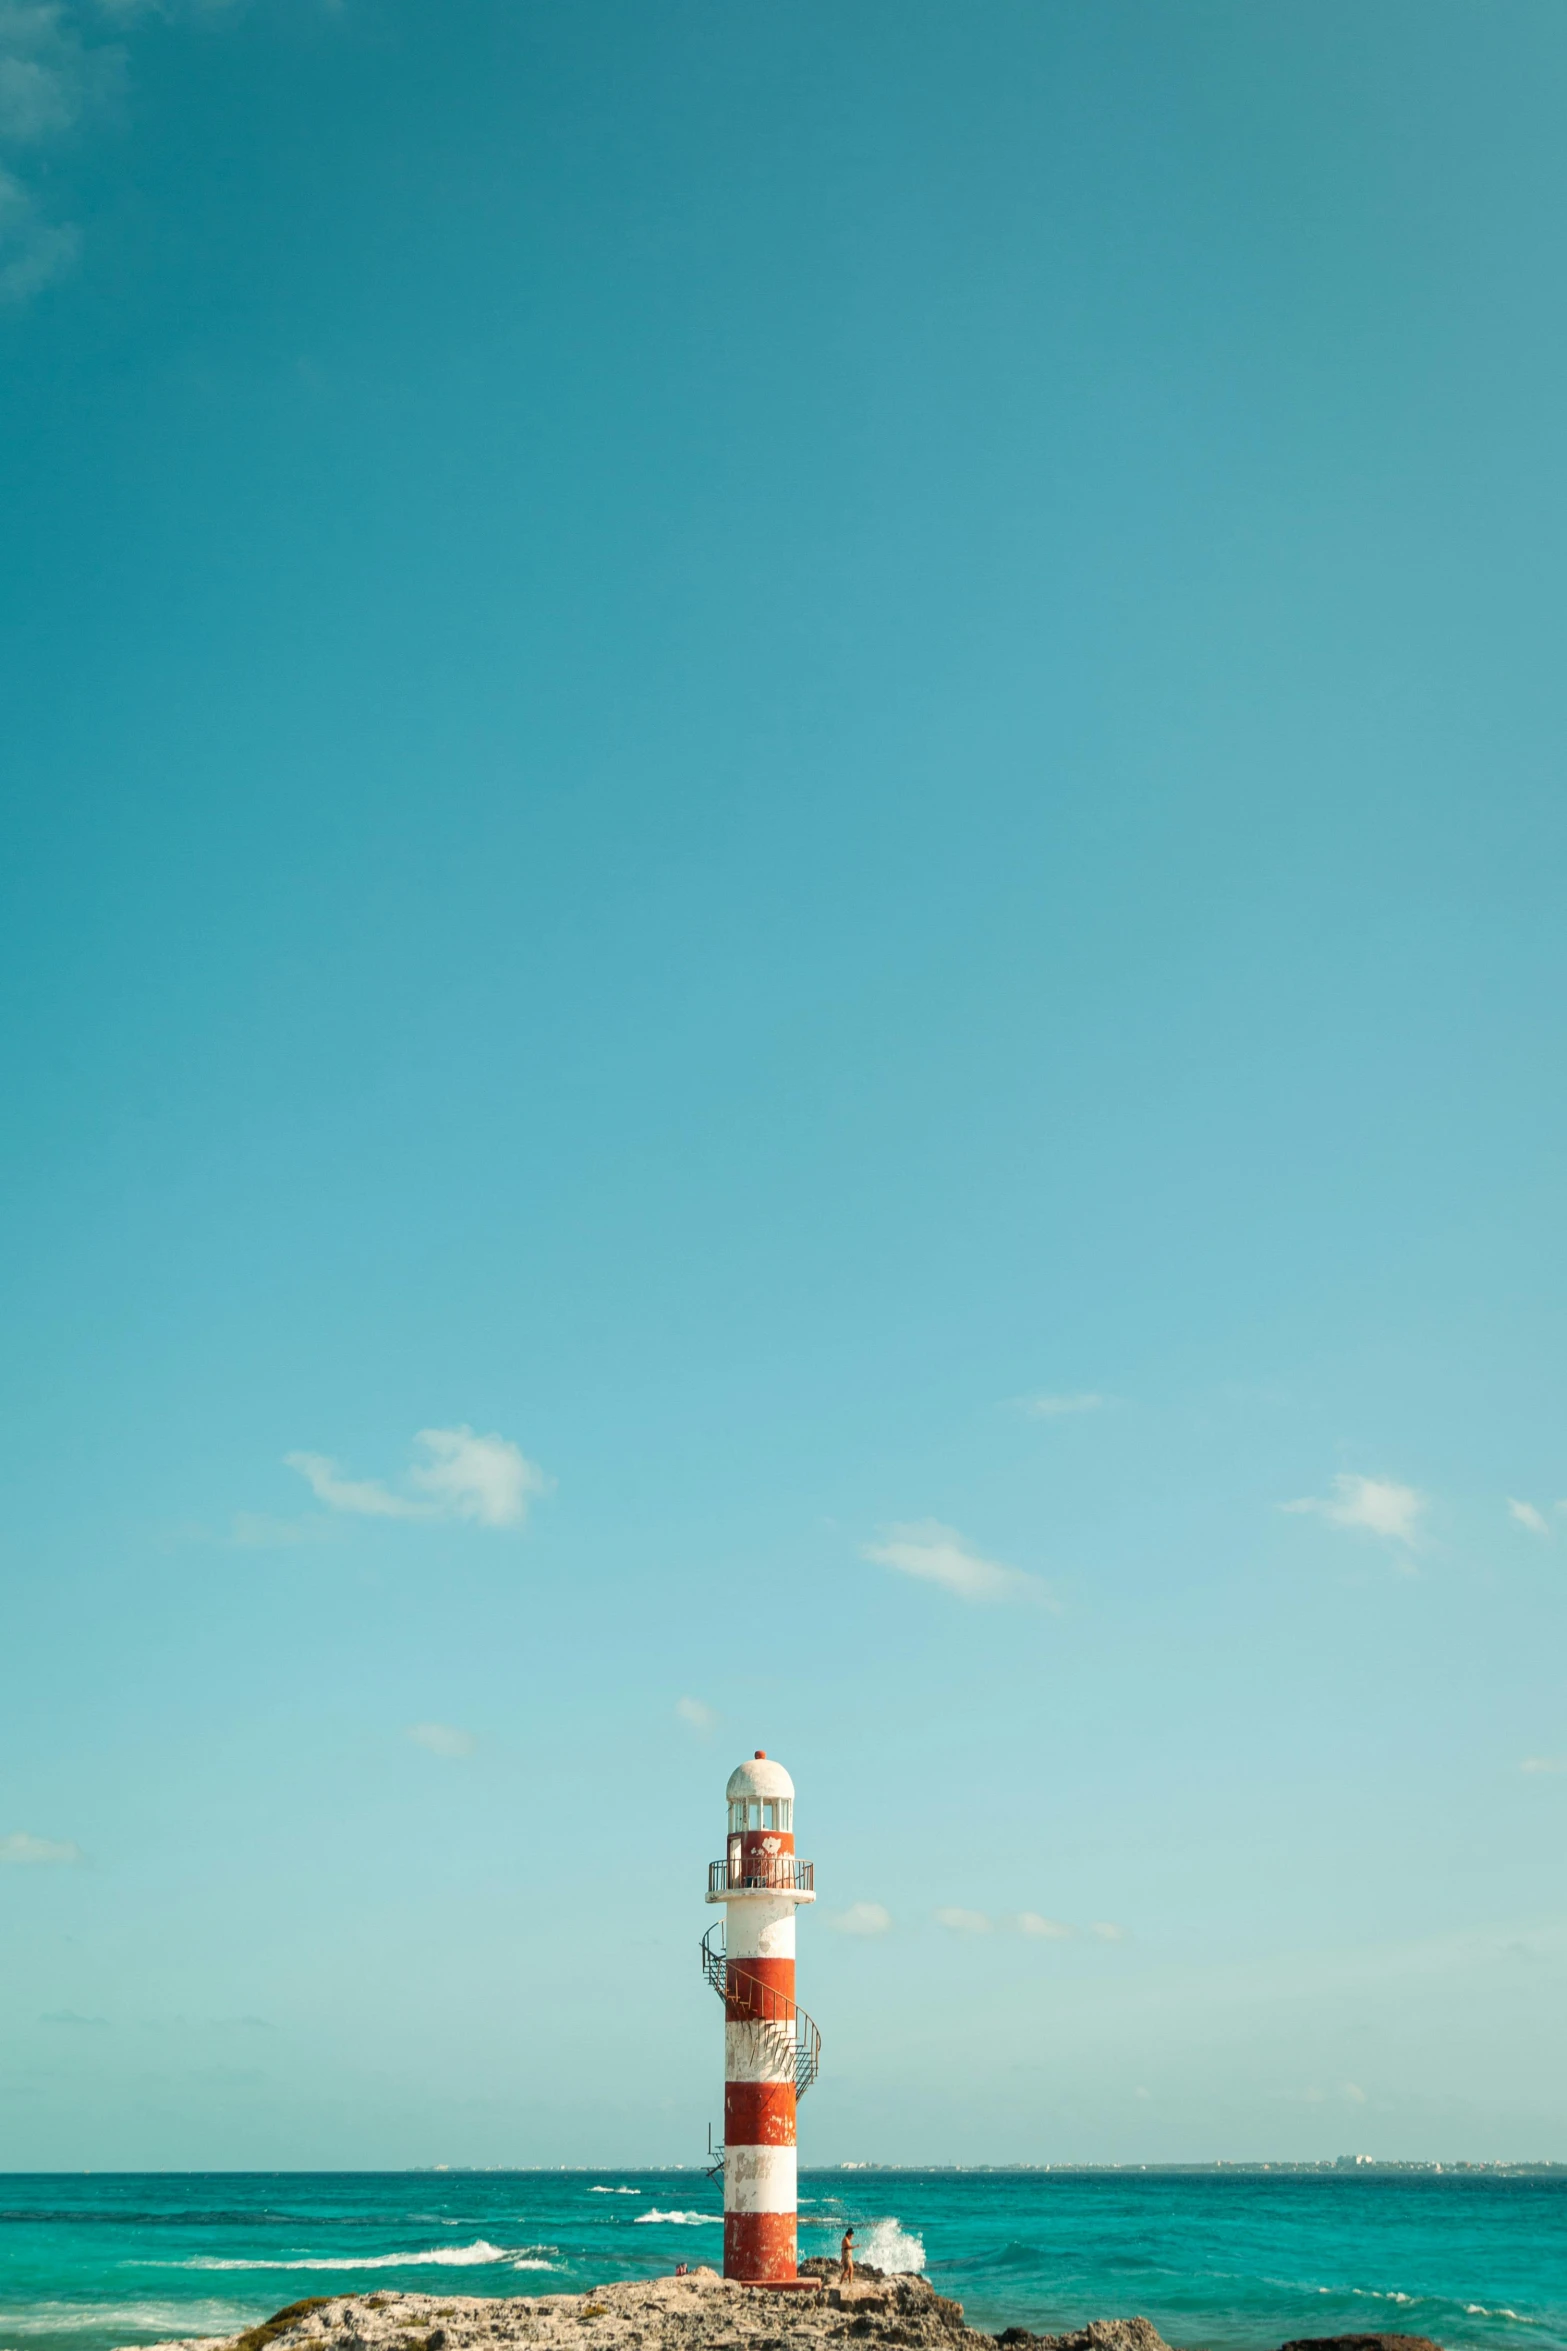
{"x":769,"y":2044}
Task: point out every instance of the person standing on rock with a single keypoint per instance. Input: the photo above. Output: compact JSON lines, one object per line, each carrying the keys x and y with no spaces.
{"x":846,"y":2258}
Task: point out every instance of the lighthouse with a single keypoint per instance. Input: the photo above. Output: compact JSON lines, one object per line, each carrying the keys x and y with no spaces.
{"x":771,"y":2047}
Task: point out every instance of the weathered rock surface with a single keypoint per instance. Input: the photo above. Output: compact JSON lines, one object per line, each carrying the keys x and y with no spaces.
{"x":1100,"y":2334}
{"x":1362,"y":2343}
{"x":701,"y":2312}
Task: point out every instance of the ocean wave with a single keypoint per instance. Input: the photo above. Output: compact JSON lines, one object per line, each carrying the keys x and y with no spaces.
{"x":1396,"y":2294}
{"x":438,"y":2257}
{"x":615,"y":2191}
{"x":891,"y":2247}
{"x":685,"y":2219}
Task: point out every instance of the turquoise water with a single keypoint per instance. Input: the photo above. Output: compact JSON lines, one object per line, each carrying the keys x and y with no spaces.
{"x":1239,"y":2261}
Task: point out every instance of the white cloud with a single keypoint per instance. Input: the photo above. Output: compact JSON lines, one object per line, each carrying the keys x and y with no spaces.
{"x":33,"y":249}
{"x":963,"y":1922}
{"x":363,"y":1497}
{"x":1107,"y":1930}
{"x":1353,"y":2094}
{"x":692,"y":1712}
{"x":49,"y":79}
{"x":441,"y":1739}
{"x":48,"y":76}
{"x":940,"y":1555}
{"x":1545,"y":1763}
{"x":1525,"y":1514}
{"x":861,"y":1918}
{"x":487,"y":1480}
{"x":55,"y":74}
{"x":19,"y":1846}
{"x":1050,"y":1930}
{"x":1050,"y":1407}
{"x":1372,"y":1506}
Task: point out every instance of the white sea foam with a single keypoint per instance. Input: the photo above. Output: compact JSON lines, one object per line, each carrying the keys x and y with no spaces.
{"x":181,"y":2343}
{"x":891,"y":2247}
{"x":216,"y":2322}
{"x":438,"y":2257}
{"x":614,"y":2191}
{"x":688,"y":2220}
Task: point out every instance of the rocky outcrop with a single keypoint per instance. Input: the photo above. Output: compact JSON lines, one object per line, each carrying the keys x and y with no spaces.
{"x":1100,"y":2334}
{"x":700,"y":2312}
{"x":1362,"y":2343}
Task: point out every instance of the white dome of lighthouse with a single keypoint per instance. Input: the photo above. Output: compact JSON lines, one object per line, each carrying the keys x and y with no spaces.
{"x":760,"y":1777}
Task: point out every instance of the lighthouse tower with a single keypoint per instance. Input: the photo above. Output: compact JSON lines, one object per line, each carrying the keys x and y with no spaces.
{"x":771,"y":2047}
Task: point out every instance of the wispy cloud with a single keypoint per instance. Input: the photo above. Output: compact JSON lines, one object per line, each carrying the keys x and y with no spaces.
{"x":1055,"y":1406}
{"x":938,"y":1554}
{"x":361,"y":1497}
{"x":488,"y":1481}
{"x":51,"y":78}
{"x":1524,"y":1514}
{"x":441,"y":1739}
{"x":34,"y":250}
{"x":1544,"y":1763}
{"x":962,"y":1922}
{"x":1370,"y":1506}
{"x":1059,"y":1930}
{"x":861,"y":1918}
{"x":20,"y":1847}
{"x":68,"y":2016}
{"x":695,"y":1715}
{"x":48,"y":74}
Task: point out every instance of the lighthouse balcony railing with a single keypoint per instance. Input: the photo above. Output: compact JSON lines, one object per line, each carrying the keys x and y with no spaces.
{"x":763,"y":1874}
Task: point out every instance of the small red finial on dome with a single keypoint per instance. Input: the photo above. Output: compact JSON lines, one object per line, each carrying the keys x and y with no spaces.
{"x":761,"y":1755}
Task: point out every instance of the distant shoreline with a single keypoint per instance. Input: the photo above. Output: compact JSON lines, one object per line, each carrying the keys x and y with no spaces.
{"x":1336,"y":2167}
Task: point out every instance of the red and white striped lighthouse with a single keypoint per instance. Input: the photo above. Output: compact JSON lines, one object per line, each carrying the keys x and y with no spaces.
{"x":771,"y":2047}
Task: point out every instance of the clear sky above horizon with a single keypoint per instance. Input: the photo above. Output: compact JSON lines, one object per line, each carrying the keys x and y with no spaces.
{"x":782,"y":963}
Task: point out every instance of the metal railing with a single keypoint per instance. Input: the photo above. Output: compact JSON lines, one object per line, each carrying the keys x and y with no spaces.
{"x":798,"y":2047}
{"x":764,"y":1873}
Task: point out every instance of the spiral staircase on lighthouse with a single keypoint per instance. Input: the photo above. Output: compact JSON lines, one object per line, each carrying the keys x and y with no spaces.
{"x":792,"y":2036}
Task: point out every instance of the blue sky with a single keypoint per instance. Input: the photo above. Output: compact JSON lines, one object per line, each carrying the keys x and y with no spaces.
{"x":782,"y":966}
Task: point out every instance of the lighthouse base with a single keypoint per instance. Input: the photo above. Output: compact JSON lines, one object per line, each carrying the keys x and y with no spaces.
{"x":759,"y":2248}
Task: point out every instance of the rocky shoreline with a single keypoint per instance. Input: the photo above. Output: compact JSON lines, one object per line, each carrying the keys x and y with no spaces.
{"x":697,"y":2312}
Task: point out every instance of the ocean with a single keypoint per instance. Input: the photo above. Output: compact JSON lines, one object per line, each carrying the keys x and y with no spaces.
{"x":1240,"y":2261}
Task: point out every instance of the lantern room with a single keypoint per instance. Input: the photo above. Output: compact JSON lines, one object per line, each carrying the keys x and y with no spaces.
{"x":761,"y":1796}
{"x":761,"y":1824}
